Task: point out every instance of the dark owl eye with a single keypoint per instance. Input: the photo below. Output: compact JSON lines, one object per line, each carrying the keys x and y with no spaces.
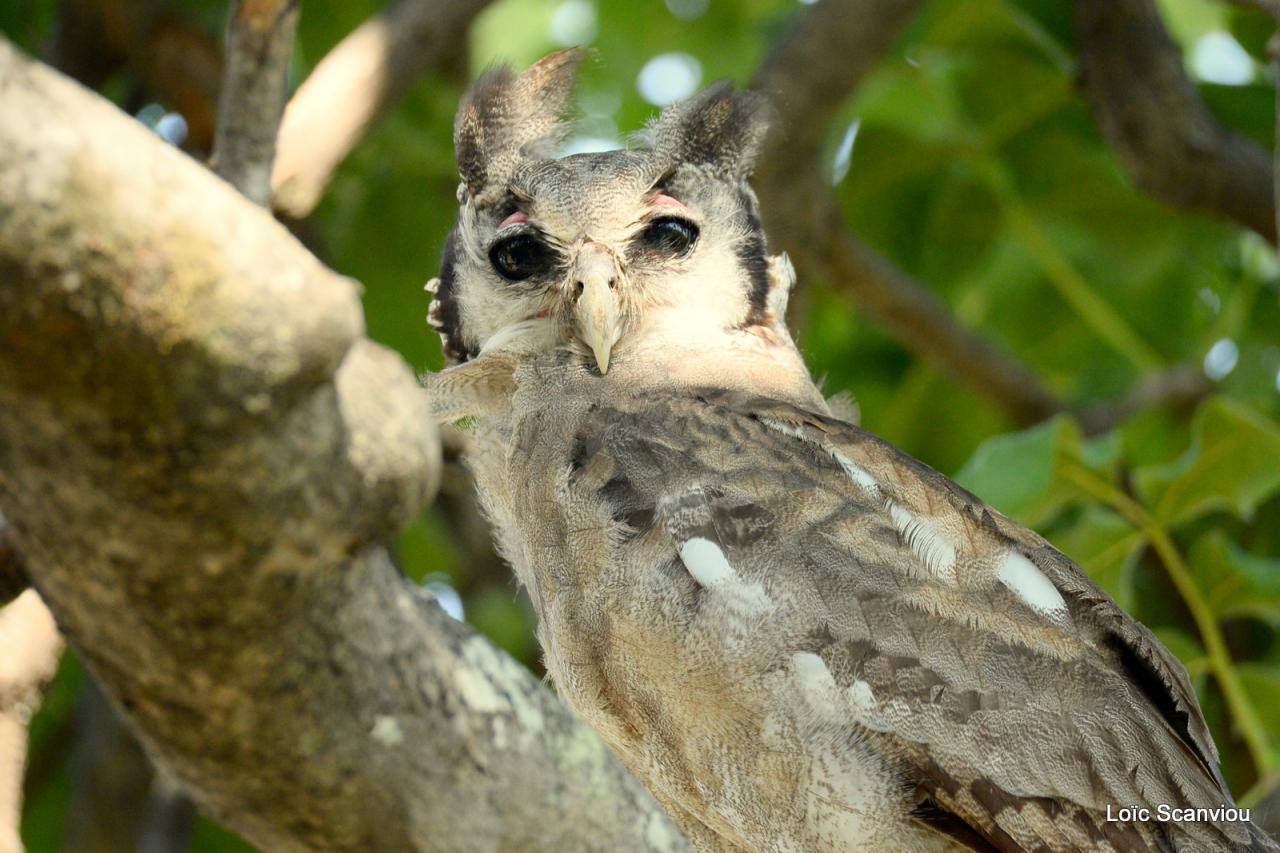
{"x":521,"y":256}
{"x":669,"y":235}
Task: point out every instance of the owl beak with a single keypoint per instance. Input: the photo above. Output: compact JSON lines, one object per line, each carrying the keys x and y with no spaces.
{"x":596,"y":312}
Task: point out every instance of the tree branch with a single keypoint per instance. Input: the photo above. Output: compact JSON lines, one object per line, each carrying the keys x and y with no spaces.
{"x":810,"y":74}
{"x":1180,"y":388}
{"x":358,"y":81}
{"x":1153,"y":117}
{"x":32,"y":648}
{"x":199,"y":456}
{"x":254,"y":88}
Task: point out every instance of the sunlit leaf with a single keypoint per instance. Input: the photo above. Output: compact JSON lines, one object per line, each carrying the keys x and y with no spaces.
{"x":1019,"y":473}
{"x":1015,"y":472}
{"x":1262,"y":683}
{"x":1233,"y":464}
{"x":1235,"y":583}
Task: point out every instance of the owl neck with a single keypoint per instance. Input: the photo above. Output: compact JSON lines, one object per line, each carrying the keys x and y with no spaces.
{"x":759,"y":360}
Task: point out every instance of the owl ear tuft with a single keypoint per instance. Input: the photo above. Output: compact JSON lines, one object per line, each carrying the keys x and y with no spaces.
{"x":507,"y":117}
{"x":719,"y":127}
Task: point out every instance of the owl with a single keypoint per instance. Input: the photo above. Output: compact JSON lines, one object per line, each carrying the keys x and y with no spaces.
{"x":797,"y":636}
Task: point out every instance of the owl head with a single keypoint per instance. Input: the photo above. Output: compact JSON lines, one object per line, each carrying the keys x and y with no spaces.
{"x":603,"y":255}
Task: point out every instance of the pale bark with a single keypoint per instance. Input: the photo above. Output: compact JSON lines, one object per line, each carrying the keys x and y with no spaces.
{"x":30,"y":648}
{"x":355,"y":84}
{"x":200,"y":456}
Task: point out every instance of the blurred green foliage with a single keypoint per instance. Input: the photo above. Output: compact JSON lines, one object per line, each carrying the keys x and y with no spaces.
{"x":970,"y":159}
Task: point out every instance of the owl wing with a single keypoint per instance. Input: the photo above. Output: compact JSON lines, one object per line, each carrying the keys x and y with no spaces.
{"x":1014,"y":696}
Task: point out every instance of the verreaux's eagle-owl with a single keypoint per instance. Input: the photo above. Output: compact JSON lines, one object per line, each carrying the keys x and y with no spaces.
{"x":797,"y":636}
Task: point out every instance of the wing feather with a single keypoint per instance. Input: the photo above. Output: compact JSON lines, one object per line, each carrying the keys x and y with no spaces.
{"x":1016,"y":724}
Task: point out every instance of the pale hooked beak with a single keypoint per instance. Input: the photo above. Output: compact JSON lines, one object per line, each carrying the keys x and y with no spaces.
{"x":596,"y":313}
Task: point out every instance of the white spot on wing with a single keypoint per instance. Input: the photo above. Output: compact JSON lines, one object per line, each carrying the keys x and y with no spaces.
{"x":858,"y":474}
{"x":922,"y":535}
{"x":862,"y":695}
{"x":709,"y":567}
{"x":706,"y":562}
{"x":924,"y":538}
{"x":812,"y":672}
{"x":784,"y":428}
{"x":1026,"y":581}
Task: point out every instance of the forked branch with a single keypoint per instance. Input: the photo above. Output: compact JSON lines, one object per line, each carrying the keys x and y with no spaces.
{"x":193,"y":388}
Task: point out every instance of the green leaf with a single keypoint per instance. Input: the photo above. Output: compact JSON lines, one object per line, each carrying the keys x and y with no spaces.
{"x":1262,"y":683}
{"x":1186,"y":647}
{"x":1015,"y":472}
{"x":1188,"y":20}
{"x":1233,"y":463}
{"x":1250,"y":109}
{"x":1236,"y":584}
{"x":1252,"y":28}
{"x":1106,"y":546}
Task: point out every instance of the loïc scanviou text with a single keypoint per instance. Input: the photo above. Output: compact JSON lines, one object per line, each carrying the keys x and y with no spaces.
{"x":1171,"y":814}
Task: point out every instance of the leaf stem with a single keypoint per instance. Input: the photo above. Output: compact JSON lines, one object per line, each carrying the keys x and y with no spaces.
{"x":1099,"y":315}
{"x":1220,"y":664}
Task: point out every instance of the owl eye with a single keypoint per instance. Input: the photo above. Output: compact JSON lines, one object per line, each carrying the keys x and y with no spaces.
{"x":670,"y":235}
{"x":520,"y":257}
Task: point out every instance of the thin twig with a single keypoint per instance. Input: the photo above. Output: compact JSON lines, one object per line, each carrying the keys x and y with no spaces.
{"x":1098,"y":315}
{"x":32,"y":647}
{"x":1179,"y":388}
{"x":1266,"y":785}
{"x":1154,"y":118}
{"x":254,"y":90}
{"x":355,"y":84}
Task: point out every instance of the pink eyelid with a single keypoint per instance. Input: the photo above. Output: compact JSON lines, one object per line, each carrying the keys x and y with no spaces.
{"x":514,"y":219}
{"x":659,"y":200}
{"x":664,"y":200}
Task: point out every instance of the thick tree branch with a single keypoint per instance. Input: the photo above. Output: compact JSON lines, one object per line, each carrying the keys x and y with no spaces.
{"x":1154,"y":118}
{"x":351,"y":88}
{"x":199,"y":456}
{"x":810,"y":74}
{"x":32,"y":648}
{"x":358,"y":81}
{"x":254,"y":89}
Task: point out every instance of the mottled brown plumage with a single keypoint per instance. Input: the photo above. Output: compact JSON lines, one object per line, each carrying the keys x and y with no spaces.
{"x":797,"y":636}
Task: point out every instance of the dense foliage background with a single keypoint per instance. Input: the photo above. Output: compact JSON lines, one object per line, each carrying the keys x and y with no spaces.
{"x":970,"y":159}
